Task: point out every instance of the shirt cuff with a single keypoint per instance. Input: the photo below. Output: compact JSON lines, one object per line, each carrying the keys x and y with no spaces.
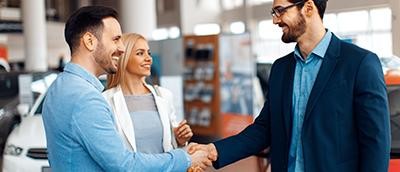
{"x":183,"y":158}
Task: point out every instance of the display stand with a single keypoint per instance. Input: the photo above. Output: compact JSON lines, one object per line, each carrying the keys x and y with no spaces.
{"x":218,"y":89}
{"x":202,"y":85}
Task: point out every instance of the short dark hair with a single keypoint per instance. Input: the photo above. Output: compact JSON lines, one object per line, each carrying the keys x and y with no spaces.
{"x":86,"y":19}
{"x":320,"y":4}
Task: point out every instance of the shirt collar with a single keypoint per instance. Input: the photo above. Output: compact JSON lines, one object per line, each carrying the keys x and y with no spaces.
{"x":83,"y":73}
{"x":320,"y":49}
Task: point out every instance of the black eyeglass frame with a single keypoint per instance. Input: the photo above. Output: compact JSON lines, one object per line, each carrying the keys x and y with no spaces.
{"x":278,"y":11}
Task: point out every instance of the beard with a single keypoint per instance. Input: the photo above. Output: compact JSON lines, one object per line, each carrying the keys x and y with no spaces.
{"x":295,"y":31}
{"x":102,"y":58}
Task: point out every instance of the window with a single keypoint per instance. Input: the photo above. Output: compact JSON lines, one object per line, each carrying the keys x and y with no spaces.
{"x":237,"y":27}
{"x":257,"y":2}
{"x":267,"y":43}
{"x":267,"y":30}
{"x":209,"y":5}
{"x":207,"y":29}
{"x":370,"y":29}
{"x":330,"y":22}
{"x":160,"y":34}
{"x":381,"y":19}
{"x":165,"y":33}
{"x":174,"y":32}
{"x":231,"y":4}
{"x":354,"y":21}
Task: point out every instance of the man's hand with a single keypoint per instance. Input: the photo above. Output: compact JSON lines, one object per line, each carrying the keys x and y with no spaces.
{"x":200,"y":161}
{"x":209,"y":148}
{"x":183,"y":133}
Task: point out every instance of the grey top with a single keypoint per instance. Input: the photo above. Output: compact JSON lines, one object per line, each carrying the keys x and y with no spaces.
{"x":146,"y":123}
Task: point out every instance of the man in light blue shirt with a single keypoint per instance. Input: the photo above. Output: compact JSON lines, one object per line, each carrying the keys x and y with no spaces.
{"x":305,"y":74}
{"x":79,"y":125}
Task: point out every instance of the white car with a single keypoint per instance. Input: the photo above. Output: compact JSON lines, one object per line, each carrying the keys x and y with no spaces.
{"x":25,"y":148}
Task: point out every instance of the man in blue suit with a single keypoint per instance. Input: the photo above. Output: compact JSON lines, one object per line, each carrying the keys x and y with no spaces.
{"x":326,"y":108}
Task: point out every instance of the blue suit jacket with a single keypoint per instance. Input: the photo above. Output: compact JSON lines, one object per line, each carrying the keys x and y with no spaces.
{"x":346,"y":124}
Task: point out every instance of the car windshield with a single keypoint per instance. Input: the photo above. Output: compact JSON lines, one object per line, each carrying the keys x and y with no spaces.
{"x":394,"y":105}
{"x":39,"y":109}
{"x":390,"y":62}
{"x":9,"y":89}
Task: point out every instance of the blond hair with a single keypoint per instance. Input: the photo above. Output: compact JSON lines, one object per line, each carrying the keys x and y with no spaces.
{"x":129,"y":40}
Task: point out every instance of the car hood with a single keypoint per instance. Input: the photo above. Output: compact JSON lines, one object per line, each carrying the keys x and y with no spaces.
{"x":29,"y":133}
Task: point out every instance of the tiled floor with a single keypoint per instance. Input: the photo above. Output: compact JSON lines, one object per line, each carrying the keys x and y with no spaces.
{"x":251,"y":164}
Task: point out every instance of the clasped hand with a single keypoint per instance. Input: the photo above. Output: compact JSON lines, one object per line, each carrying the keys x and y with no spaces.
{"x":202,"y":156}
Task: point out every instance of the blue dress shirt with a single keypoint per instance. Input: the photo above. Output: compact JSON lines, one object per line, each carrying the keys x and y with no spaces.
{"x":304,"y":77}
{"x":81,"y":133}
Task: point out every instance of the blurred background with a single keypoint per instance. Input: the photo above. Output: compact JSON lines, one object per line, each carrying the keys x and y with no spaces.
{"x":215,"y":55}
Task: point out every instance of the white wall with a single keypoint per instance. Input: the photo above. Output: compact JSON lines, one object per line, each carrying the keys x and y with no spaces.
{"x":346,"y":5}
{"x":198,"y":12}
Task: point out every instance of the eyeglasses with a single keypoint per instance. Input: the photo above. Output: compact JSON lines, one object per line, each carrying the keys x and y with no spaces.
{"x":278,"y":11}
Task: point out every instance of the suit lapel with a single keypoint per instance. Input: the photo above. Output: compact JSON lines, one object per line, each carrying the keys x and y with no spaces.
{"x":287,"y":95}
{"x":324,"y":74}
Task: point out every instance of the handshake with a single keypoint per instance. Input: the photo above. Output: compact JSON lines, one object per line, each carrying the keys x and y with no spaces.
{"x":201,"y":156}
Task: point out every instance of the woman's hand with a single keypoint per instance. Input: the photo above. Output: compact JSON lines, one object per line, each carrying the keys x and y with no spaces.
{"x":183,"y":133}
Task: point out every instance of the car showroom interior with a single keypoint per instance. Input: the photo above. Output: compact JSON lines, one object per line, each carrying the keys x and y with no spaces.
{"x":233,"y":76}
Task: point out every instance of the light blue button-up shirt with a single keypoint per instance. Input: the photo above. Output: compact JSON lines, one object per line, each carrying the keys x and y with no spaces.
{"x":304,"y":77}
{"x":81,"y":133}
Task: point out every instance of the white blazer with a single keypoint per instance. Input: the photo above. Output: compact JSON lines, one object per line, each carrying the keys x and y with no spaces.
{"x":163,"y":99}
